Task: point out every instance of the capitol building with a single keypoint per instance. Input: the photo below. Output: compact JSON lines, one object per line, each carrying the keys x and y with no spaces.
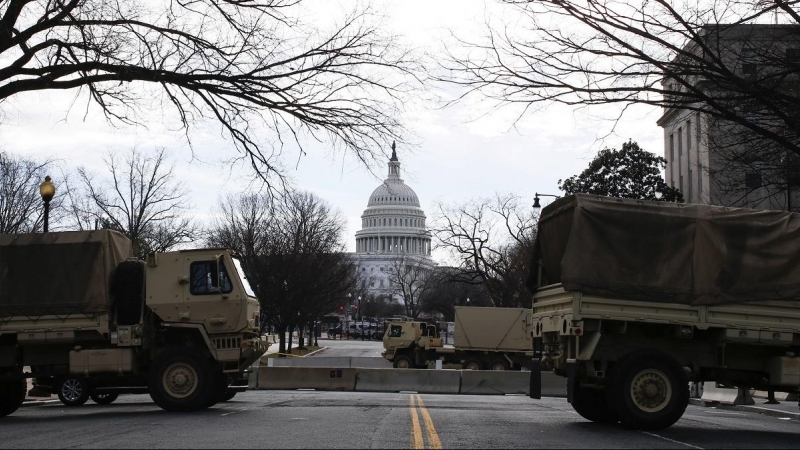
{"x":393,"y":234}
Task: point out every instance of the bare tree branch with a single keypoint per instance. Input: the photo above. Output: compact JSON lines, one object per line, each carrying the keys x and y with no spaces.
{"x":248,"y":64}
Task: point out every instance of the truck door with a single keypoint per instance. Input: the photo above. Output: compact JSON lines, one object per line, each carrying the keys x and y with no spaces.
{"x":211,"y":295}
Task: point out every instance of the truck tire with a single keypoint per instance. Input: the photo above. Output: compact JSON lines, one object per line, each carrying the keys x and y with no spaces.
{"x":403,"y":362}
{"x":499,"y":364}
{"x":127,"y":285}
{"x":12,"y":394}
{"x":473,"y":364}
{"x":593,"y":405}
{"x":73,"y":391}
{"x":105,"y":398}
{"x":228,"y":395}
{"x":650,"y":390}
{"x":182,"y":379}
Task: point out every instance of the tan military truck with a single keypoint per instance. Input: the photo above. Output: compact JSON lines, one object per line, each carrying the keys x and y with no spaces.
{"x":83,"y":318}
{"x":637,"y":298}
{"x":484,"y":339}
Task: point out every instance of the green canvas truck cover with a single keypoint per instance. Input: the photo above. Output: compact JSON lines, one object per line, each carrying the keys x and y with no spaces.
{"x":58,"y":273}
{"x":668,"y":252}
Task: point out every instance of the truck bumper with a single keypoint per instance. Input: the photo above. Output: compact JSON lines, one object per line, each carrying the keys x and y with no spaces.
{"x":252,"y":350}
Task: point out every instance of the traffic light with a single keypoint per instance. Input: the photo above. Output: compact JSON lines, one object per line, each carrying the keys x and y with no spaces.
{"x":341,"y":308}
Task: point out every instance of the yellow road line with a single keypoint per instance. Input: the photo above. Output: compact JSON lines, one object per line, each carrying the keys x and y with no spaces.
{"x":416,"y":431}
{"x":433,"y":437}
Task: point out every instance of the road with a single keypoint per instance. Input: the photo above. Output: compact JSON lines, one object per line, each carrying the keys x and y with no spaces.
{"x":328,"y":420}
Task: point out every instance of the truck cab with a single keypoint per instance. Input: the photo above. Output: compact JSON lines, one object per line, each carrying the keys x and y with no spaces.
{"x":401,"y":338}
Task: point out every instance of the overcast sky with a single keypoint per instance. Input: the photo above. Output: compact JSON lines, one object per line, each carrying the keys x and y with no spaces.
{"x":458,"y":155}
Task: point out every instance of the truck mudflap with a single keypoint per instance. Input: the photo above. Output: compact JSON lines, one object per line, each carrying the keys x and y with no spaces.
{"x":572,"y":380}
{"x":536,"y":380}
{"x":536,"y":370}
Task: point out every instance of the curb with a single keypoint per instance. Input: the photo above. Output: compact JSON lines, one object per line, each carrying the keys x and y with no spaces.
{"x":750,"y":409}
{"x":38,"y":402}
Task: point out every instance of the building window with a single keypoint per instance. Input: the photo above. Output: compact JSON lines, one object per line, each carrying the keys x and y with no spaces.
{"x":752,"y":176}
{"x":689,"y":135}
{"x":749,"y":66}
{"x":690,"y":186}
{"x":680,"y":148}
{"x":699,"y":179}
{"x":672,"y":159}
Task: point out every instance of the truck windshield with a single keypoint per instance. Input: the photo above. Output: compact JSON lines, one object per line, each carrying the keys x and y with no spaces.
{"x":240,"y":271}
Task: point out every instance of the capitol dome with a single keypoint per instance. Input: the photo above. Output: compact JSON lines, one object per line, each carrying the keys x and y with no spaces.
{"x":393,"y":234}
{"x":393,"y":221}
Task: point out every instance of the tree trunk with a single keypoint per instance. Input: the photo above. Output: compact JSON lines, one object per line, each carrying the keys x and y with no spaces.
{"x":282,"y":339}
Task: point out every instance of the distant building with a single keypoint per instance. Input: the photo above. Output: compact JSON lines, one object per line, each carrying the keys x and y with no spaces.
{"x":393,"y":234}
{"x":715,"y":161}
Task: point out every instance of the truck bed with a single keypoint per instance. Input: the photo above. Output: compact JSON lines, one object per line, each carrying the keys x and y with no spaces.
{"x":553,"y":305}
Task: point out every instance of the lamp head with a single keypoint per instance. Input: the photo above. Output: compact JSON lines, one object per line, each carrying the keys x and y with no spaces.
{"x":47,"y":189}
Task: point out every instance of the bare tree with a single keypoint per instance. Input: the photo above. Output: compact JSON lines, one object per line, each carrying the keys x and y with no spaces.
{"x":21,"y":208}
{"x":448,"y":290}
{"x":293,"y":255}
{"x":409,"y":279}
{"x":246,"y":64}
{"x":140,"y":198}
{"x":661,"y":53}
{"x":492,"y":239}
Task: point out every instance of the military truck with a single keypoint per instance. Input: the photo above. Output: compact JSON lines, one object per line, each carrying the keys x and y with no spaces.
{"x":635,"y":299}
{"x":83,"y":318}
{"x":484,"y":339}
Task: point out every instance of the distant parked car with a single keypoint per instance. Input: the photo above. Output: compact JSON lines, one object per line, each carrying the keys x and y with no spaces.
{"x":335,"y":331}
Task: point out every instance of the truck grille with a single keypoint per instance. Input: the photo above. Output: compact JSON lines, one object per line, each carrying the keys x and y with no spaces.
{"x":227,"y":343}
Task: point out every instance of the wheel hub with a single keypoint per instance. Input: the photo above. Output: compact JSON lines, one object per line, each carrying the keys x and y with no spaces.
{"x":72,"y":390}
{"x":180,"y":380}
{"x":651,"y":390}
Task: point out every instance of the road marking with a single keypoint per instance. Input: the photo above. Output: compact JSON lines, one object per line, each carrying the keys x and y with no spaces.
{"x":671,"y":440}
{"x":433,"y":437}
{"x":416,"y":431}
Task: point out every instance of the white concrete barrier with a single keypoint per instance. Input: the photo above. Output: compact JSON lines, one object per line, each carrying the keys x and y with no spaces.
{"x":316,"y":361}
{"x":495,"y":382}
{"x":320,"y":378}
{"x":730,"y":396}
{"x":779,"y":396}
{"x":396,"y":380}
{"x":366,"y":362}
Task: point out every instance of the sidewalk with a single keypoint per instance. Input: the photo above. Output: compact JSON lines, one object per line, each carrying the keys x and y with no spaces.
{"x":786,"y":409}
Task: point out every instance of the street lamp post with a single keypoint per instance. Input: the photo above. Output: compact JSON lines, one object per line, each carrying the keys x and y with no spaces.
{"x":361,"y":317}
{"x":47,"y":190}
{"x":346,"y":328}
{"x":536,"y":204}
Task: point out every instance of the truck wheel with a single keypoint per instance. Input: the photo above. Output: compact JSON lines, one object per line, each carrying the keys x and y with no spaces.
{"x":228,"y":395}
{"x":182,"y":380}
{"x":12,"y":394}
{"x":473,"y":364}
{"x":650,"y":389}
{"x":499,"y":364}
{"x":105,"y":398}
{"x":592,"y":404}
{"x":403,"y":362}
{"x":73,"y":391}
